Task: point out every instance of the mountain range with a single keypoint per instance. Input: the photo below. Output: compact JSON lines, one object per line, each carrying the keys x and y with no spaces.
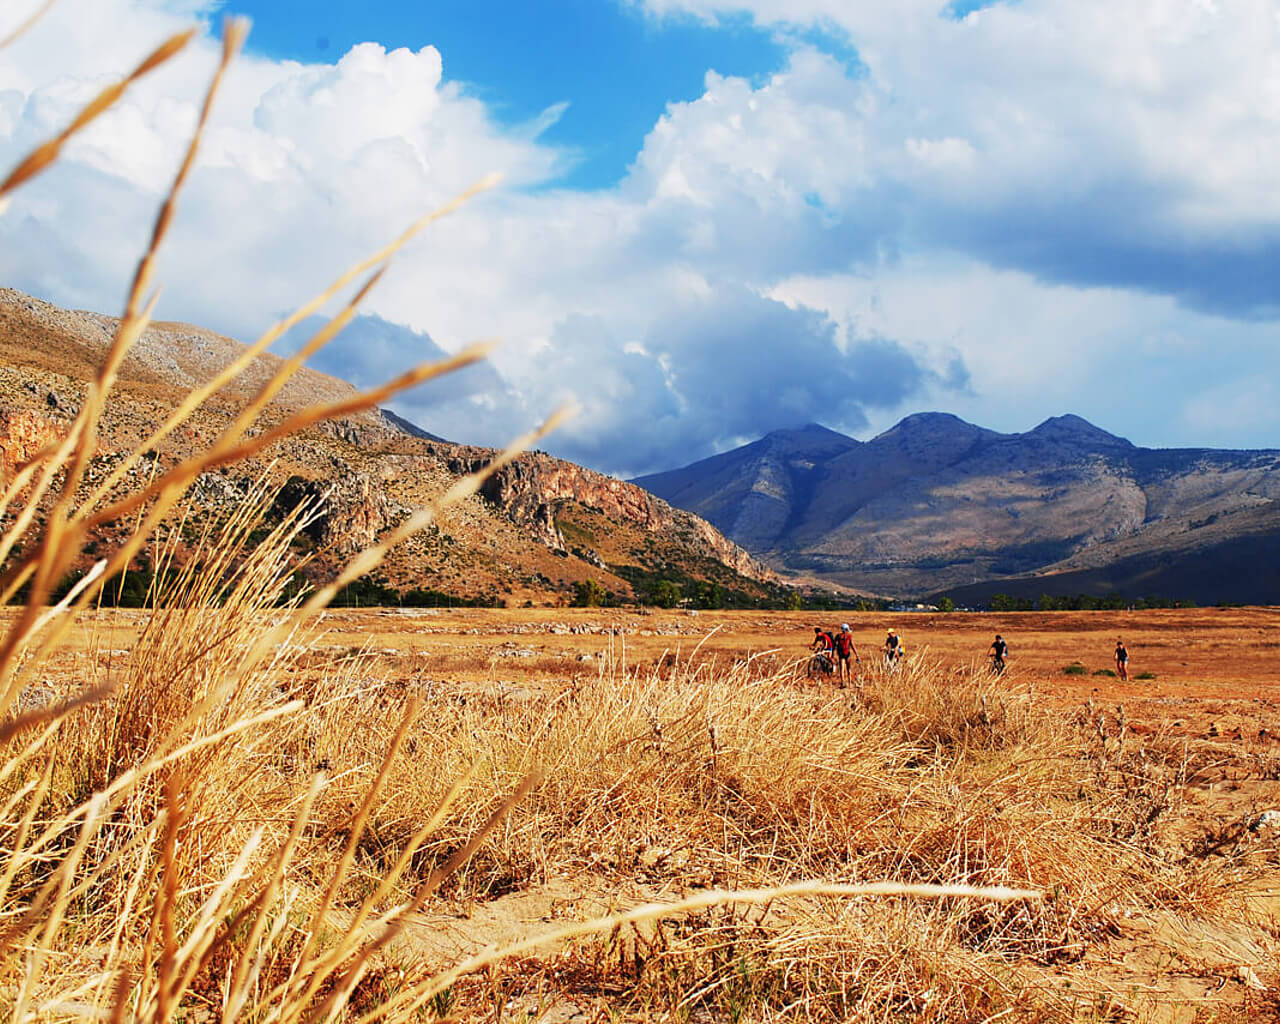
{"x":936,"y":506}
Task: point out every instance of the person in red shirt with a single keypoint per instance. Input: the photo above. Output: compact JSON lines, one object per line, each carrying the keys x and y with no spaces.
{"x":822,"y":640}
{"x":824,"y":648}
{"x":846,"y":653}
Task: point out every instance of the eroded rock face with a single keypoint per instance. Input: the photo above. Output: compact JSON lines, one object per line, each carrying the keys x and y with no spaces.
{"x":363,"y":432}
{"x":352,"y":511}
{"x":529,"y":488}
{"x":24,"y":433}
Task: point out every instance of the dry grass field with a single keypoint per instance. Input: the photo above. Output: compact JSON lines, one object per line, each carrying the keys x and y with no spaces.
{"x":677,"y":754}
{"x":1206,"y":666}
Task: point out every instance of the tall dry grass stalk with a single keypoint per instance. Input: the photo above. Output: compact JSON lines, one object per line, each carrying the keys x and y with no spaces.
{"x":217,"y":825}
{"x":25,"y":26}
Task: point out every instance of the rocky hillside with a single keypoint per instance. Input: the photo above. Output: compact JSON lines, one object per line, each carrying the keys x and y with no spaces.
{"x":540,"y":528}
{"x":937,"y":504}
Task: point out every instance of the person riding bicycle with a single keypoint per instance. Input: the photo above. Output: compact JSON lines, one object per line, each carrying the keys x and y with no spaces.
{"x":893,"y":649}
{"x":844,"y":650}
{"x":823,"y":647}
{"x":999,"y":652}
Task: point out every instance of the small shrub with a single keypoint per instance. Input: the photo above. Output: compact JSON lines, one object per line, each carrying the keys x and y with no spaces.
{"x":1105,"y":672}
{"x":1074,"y":669}
{"x":1145,"y":675}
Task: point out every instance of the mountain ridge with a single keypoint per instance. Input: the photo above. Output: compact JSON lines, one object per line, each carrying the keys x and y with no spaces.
{"x":936,"y":503}
{"x":540,"y":528}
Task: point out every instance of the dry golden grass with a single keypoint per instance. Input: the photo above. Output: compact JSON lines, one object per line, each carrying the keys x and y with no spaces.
{"x":217,"y":824}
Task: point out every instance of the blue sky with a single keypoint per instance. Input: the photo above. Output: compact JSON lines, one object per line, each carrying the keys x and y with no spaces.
{"x":717,"y":217}
{"x":614,"y":67}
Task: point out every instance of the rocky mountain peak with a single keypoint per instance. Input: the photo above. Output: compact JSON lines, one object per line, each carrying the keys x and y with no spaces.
{"x":930,"y":424}
{"x":1078,"y":430}
{"x":811,"y":430}
{"x":813,"y":440}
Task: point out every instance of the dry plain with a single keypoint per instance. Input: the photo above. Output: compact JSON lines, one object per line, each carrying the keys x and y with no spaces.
{"x":1211,"y":667}
{"x":1216,"y":670}
{"x":1187,"y":932}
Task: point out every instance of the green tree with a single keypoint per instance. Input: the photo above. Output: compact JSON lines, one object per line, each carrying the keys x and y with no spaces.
{"x":946,"y":605}
{"x":1001,"y":603}
{"x":666,"y":594}
{"x":588,"y":594}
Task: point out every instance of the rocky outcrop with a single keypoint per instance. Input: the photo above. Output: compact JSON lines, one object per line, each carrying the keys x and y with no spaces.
{"x":529,"y":489}
{"x":217,"y":491}
{"x":24,"y":433}
{"x":347,"y":514}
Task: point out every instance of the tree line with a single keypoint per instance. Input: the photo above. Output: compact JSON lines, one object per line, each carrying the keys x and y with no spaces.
{"x":1081,"y":602}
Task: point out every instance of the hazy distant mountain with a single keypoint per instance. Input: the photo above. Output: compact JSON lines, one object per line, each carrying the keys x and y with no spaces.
{"x":936,"y":504}
{"x":751,"y":493}
{"x":406,"y":427}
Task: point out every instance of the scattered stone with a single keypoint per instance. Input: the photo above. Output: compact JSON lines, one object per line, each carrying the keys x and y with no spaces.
{"x":1266,"y":820}
{"x":36,"y":695}
{"x":653,"y":856}
{"x":1246,"y":976}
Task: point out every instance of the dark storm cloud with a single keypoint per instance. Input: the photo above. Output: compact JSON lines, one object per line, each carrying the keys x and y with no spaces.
{"x":458,"y":405}
{"x":370,"y":350}
{"x":727,"y":368}
{"x":1125,"y":238}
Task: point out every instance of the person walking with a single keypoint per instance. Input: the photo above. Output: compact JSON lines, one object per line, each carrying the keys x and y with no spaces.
{"x":999,"y":652}
{"x":1122,"y":660}
{"x":845,"y":653}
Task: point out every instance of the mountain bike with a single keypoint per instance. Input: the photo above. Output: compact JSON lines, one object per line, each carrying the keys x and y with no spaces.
{"x":821,"y":664}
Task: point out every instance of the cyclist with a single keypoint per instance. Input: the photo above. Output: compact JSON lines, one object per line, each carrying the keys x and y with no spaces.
{"x":893,"y":650}
{"x":823,"y":648}
{"x":999,"y":652}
